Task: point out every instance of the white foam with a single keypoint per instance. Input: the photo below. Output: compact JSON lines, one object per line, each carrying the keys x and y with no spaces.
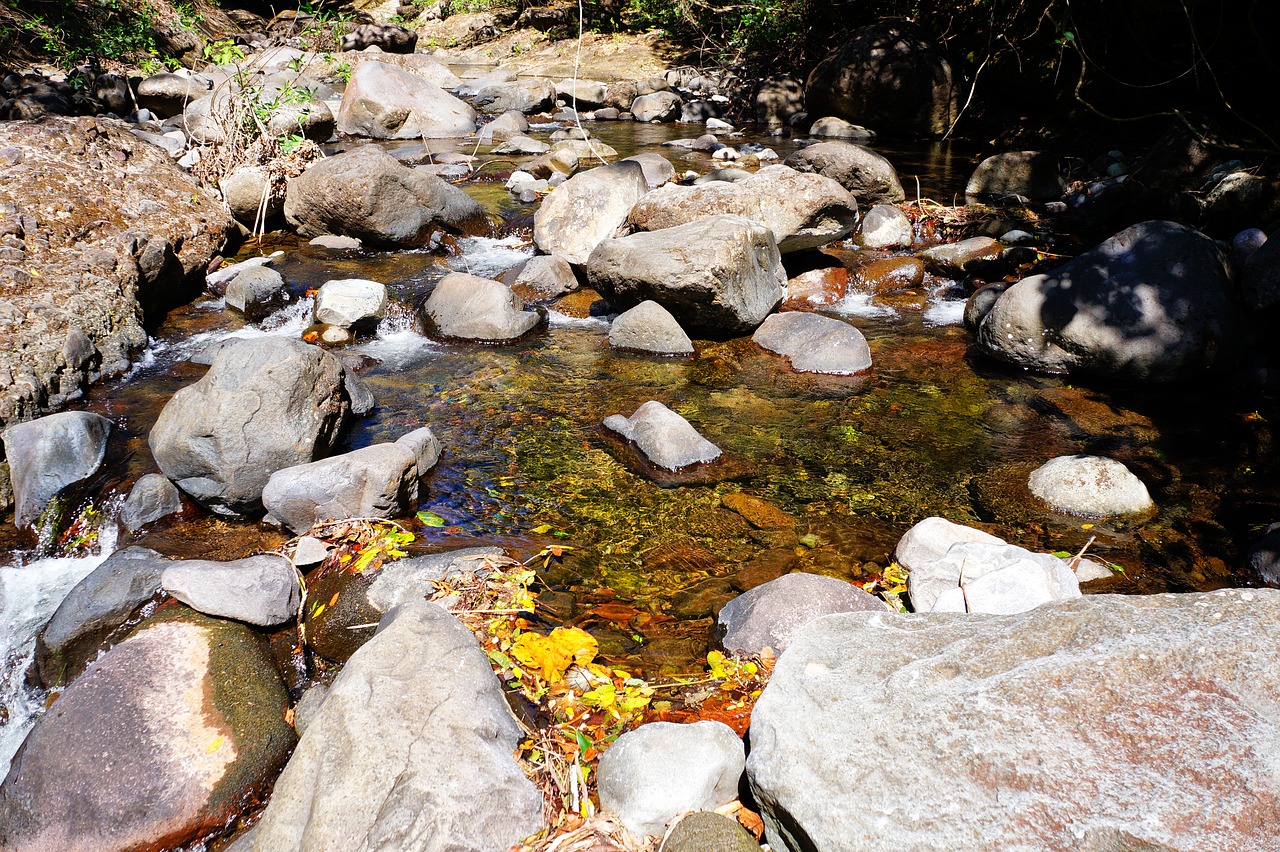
{"x":486,"y":257}
{"x":861,"y":305}
{"x":945,"y":312}
{"x":555,"y":319}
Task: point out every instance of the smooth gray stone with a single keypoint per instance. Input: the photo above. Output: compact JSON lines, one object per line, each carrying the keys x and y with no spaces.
{"x":152,"y":497}
{"x":261,"y":590}
{"x":769,"y":615}
{"x":50,"y":454}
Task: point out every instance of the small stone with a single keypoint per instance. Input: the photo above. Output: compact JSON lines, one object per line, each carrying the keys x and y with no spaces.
{"x":770,"y":614}
{"x":665,"y":438}
{"x":649,"y":327}
{"x":1089,"y":485}
{"x":152,"y":497}
{"x":308,"y":552}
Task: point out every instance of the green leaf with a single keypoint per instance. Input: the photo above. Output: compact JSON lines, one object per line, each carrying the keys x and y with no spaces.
{"x":430,"y":519}
{"x":1062,"y":554}
{"x":583,"y":742}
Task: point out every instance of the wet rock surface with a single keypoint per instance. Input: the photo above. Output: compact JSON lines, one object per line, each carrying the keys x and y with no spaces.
{"x":665,"y":438}
{"x":813,"y":343}
{"x":48,"y":455}
{"x":769,"y":615}
{"x":1063,"y":707}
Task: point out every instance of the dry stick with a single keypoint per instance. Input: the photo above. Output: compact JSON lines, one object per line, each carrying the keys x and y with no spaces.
{"x":1074,"y":562}
{"x":963,"y":593}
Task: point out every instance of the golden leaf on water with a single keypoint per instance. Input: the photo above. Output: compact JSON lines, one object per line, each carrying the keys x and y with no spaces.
{"x":554,"y":654}
{"x":215,"y":745}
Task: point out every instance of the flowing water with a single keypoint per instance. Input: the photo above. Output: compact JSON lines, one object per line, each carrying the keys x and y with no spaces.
{"x":930,"y":430}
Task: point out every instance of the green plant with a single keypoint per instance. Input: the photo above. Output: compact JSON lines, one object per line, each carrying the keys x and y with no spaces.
{"x":342,"y":72}
{"x":223,"y":52}
{"x":150,"y":65}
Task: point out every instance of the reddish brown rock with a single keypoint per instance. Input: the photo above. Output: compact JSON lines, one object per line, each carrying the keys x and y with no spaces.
{"x":816,"y":287}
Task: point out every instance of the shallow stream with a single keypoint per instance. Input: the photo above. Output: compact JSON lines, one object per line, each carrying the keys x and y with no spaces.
{"x":930,"y":430}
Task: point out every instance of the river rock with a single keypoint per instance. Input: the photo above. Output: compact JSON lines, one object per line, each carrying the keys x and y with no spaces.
{"x":868,"y":176}
{"x":167,"y":94}
{"x":658,"y":106}
{"x":369,"y":194}
{"x":354,"y":303}
{"x":260,"y":590}
{"x":264,"y":405}
{"x":242,"y":189}
{"x":586,"y":209}
{"x":157,"y":745}
{"x":837,"y":128}
{"x":1089,"y":485}
{"x":814,"y":343}
{"x":769,"y":615}
{"x":651,"y":775}
{"x":665,"y":438}
{"x":152,"y":497}
{"x":886,"y":226}
{"x":379,"y":481}
{"x":707,"y":831}
{"x":385,"y":102}
{"x":93,"y":609}
{"x":510,"y":124}
{"x":1033,"y":175}
{"x":931,"y":538}
{"x":257,"y":292}
{"x":470,"y":308}
{"x":803,"y":210}
{"x":657,"y":168}
{"x":410,"y":579}
{"x":720,"y":274}
{"x":1153,"y":303}
{"x":890,"y":75}
{"x":889,"y":275}
{"x":389,"y":38}
{"x":83,"y":280}
{"x":1264,"y":556}
{"x":978,"y":576}
{"x":778,"y":98}
{"x":1260,"y":275}
{"x":1050,"y":709}
{"x":586,"y":150}
{"x":49,"y":455}
{"x":524,"y":96}
{"x":582,"y":94}
{"x":649,"y":327}
{"x":374,"y":771}
{"x":962,"y":257}
{"x":546,"y":276}
{"x":518,"y":143}
{"x":981,"y":302}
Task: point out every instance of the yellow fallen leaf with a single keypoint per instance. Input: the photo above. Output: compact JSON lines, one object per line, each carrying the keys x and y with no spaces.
{"x":554,"y":654}
{"x":540,"y":529}
{"x":215,"y":745}
{"x":1086,"y":526}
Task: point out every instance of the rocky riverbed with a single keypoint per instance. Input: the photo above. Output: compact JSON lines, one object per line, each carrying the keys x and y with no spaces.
{"x":524,"y":410}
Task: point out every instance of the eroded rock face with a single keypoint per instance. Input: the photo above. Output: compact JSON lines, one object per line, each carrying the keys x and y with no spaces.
{"x":370,"y":195}
{"x":264,"y":405}
{"x":1154,"y":302}
{"x":890,"y":76}
{"x":101,"y":228}
{"x":587,"y":209}
{"x":413,"y":744}
{"x":1073,"y":711}
{"x":802,"y":210}
{"x":383,"y":101}
{"x":154,"y":746}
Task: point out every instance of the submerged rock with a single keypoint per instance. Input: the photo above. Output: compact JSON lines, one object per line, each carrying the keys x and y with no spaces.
{"x":665,"y":438}
{"x":157,"y":745}
{"x":658,"y":771}
{"x":413,"y":744}
{"x":1057,"y":710}
{"x":49,"y":455}
{"x":769,"y":615}
{"x":264,"y":405}
{"x":720,"y":274}
{"x":813,"y":343}
{"x":1153,"y":303}
{"x":1089,"y":485}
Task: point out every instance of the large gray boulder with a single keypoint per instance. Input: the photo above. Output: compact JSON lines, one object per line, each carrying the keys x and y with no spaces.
{"x":411,"y":749}
{"x":664,"y":437}
{"x":777,"y":99}
{"x":156,"y":746}
{"x":891,"y":76}
{"x":1036,"y":731}
{"x":380,"y":481}
{"x":868,"y":176}
{"x":370,"y":195}
{"x":1033,"y":175}
{"x":1153,"y":303}
{"x":649,"y":327}
{"x":525,"y":96}
{"x":658,"y":106}
{"x":1089,"y":485}
{"x":167,"y":95}
{"x":978,"y":576}
{"x":814,"y":343}
{"x":663,"y":769}
{"x":264,"y":405}
{"x":471,"y":308}
{"x":385,"y":102}
{"x":260,"y":590}
{"x":718,"y":274}
{"x":769,"y":615}
{"x":586,"y":209}
{"x":50,"y":454}
{"x":802,"y":210}
{"x":95,"y":607}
